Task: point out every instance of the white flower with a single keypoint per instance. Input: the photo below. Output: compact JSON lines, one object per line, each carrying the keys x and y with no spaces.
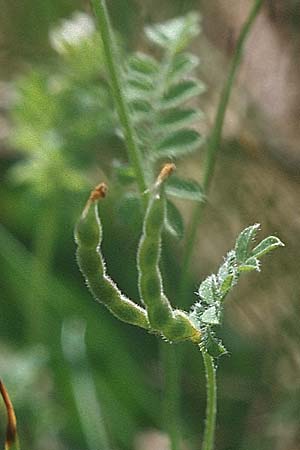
{"x":71,"y":32}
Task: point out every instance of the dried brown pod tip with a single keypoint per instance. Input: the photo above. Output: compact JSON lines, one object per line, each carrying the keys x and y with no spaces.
{"x":100,"y":191}
{"x":165,"y":172}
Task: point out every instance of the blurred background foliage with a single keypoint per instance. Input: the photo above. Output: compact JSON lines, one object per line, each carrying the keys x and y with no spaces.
{"x":57,"y":138}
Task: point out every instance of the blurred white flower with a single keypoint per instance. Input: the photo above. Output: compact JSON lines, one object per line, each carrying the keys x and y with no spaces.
{"x":71,"y":32}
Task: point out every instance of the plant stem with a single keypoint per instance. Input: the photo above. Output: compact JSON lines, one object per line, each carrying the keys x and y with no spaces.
{"x":214,"y":140}
{"x":102,"y":18}
{"x":12,"y":440}
{"x":211,"y":406}
{"x":171,"y":395}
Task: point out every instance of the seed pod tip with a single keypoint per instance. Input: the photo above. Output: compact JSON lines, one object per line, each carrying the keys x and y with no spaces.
{"x":98,"y":192}
{"x":165,"y":172}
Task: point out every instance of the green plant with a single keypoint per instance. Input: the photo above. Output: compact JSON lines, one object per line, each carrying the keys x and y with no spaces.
{"x":148,"y":95}
{"x":157,"y":118}
{"x":206,"y":315}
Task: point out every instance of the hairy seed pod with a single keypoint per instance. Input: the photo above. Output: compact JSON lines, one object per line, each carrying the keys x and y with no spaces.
{"x":174,"y":325}
{"x":88,"y":236}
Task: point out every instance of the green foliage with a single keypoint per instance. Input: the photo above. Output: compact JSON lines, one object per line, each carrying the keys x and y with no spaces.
{"x":207,"y":313}
{"x":159,"y":93}
{"x":59,"y":115}
{"x":62,"y":117}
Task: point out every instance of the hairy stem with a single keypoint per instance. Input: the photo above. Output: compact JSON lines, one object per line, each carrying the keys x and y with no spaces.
{"x":103,"y":23}
{"x":214,"y":142}
{"x":211,"y":406}
{"x":171,"y":395}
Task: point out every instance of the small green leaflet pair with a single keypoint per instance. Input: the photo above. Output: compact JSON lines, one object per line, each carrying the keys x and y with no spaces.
{"x":159,"y":94}
{"x":207,"y":313}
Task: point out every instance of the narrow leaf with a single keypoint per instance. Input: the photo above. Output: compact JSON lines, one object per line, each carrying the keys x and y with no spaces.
{"x":185,"y":189}
{"x":143,"y":65}
{"x":179,"y":143}
{"x":174,"y":223}
{"x":181,"y":92}
{"x":140,"y":85}
{"x":140,"y":106}
{"x":242,"y":246}
{"x":175,"y":118}
{"x":182,"y":65}
{"x":266,"y":245}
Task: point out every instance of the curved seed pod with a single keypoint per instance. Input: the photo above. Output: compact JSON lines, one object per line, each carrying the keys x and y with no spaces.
{"x":88,"y":236}
{"x":174,"y":325}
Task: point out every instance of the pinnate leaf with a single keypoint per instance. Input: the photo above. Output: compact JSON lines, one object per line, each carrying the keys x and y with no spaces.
{"x":181,"y":92}
{"x":182,"y":65}
{"x":175,"y":118}
{"x":139,"y":110}
{"x":185,"y":189}
{"x":176,"y":33}
{"x":143,"y":65}
{"x":178,"y":143}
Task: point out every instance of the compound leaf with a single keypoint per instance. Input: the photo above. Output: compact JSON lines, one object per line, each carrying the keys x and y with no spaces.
{"x":175,"y":118}
{"x":185,"y":189}
{"x":182,"y":65}
{"x":178,"y":143}
{"x":143,"y":65}
{"x":181,"y":92}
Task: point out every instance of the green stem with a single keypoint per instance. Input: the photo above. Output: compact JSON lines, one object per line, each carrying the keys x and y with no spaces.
{"x":101,"y":14}
{"x":171,"y":395}
{"x":214,"y":141}
{"x":211,"y":406}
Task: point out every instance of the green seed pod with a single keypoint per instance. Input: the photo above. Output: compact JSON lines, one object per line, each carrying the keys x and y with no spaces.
{"x":88,"y":236}
{"x":174,"y":325}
